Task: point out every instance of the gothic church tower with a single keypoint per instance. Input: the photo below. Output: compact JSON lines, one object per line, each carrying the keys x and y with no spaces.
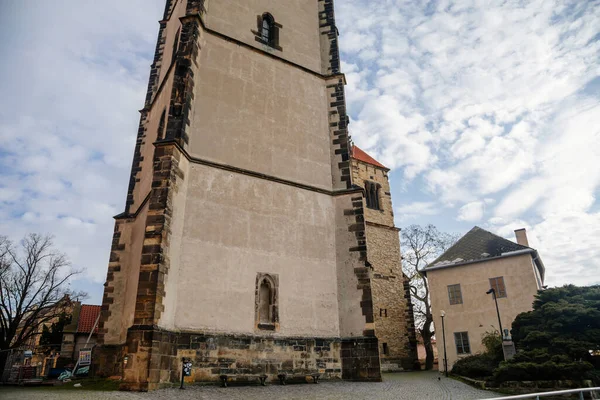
{"x":243,"y":245}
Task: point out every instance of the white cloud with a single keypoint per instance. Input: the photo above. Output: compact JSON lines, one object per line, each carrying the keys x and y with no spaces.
{"x":471,"y":212}
{"x":355,"y":42}
{"x":68,"y":121}
{"x":500,"y":103}
{"x":416,"y":209}
{"x":567,"y":243}
{"x":569,"y":174}
{"x":448,"y":185}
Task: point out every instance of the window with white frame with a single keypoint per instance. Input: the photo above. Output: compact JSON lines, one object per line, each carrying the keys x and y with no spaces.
{"x":462,"y":343}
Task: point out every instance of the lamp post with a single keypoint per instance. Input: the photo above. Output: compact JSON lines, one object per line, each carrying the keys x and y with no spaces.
{"x":443,"y":314}
{"x":493,"y":292}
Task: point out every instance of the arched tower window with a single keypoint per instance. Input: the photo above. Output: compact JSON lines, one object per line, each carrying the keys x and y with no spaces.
{"x":267,"y":28}
{"x":267,"y":31}
{"x":161,"y":125}
{"x":266,"y":306}
{"x":372,"y":190}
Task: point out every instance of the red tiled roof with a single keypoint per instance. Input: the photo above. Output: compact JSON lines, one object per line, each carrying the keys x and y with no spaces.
{"x":87,"y":318}
{"x":360,"y":155}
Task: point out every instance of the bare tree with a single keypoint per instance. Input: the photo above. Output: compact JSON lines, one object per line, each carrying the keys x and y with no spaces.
{"x":422,"y":245}
{"x":34,"y":289}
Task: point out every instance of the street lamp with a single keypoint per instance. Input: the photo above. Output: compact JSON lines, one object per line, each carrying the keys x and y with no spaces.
{"x":443,"y":314}
{"x":493,"y":292}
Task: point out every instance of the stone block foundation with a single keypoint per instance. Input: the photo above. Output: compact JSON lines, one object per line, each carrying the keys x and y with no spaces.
{"x":360,"y":359}
{"x":107,"y":361}
{"x":154,"y":358}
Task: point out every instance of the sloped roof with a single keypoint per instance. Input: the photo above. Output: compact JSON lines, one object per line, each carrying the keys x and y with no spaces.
{"x":477,"y":245}
{"x":87,"y":318}
{"x":358,"y":154}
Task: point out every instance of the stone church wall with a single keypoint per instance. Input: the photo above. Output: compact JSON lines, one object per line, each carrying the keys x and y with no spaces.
{"x":392,"y":308}
{"x":167,"y":39}
{"x":237,"y":226}
{"x":178,"y":220}
{"x":252,"y":179}
{"x":120,"y":291}
{"x":356,"y":316}
{"x":260,"y":114}
{"x":250,"y":355}
{"x":242,"y":356}
{"x":299,"y":37}
{"x":150,"y":128}
{"x":362,"y":172}
{"x":391,"y":302}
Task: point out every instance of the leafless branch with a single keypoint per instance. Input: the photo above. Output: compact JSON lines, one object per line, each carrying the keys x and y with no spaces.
{"x":34,"y":287}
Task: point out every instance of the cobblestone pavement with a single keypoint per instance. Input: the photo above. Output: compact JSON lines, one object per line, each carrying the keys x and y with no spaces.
{"x":400,"y":386}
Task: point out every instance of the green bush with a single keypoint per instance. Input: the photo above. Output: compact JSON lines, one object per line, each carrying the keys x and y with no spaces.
{"x":492,"y":341}
{"x":482,"y":365}
{"x":476,"y":366}
{"x":537,"y":356}
{"x":532,"y":371}
{"x":594,"y":376}
{"x":563,"y":326}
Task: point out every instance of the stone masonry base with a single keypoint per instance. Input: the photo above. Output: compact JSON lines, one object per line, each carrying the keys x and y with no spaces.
{"x":360,"y":359}
{"x":107,"y":361}
{"x":154,"y":358}
{"x":397,"y":364}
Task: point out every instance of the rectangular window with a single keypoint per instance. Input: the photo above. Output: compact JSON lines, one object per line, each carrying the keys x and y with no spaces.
{"x":498,"y":285}
{"x":385,"y":349}
{"x":383,"y":312}
{"x":462,"y":342}
{"x":454,"y":294}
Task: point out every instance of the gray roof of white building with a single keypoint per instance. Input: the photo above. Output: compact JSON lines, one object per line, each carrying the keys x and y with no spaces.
{"x":480,"y":245}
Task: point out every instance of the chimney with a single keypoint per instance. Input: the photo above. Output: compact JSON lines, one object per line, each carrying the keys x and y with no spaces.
{"x":521,"y":235}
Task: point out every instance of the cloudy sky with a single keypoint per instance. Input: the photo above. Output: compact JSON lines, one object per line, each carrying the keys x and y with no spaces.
{"x":488,"y":112}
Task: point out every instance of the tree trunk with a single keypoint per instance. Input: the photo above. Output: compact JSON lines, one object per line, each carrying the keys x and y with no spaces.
{"x":3,"y":358}
{"x":426,"y":334}
{"x":429,"y":355}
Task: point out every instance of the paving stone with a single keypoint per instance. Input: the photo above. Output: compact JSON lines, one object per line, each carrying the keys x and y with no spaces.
{"x":398,"y":386}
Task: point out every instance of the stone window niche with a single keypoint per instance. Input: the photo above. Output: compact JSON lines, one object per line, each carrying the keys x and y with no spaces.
{"x":161,"y":125}
{"x":267,"y":302}
{"x":175,"y":46}
{"x":267,"y":31}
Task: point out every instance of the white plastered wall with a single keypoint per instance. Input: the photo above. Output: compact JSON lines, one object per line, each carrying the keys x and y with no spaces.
{"x":299,"y":35}
{"x":260,"y":114}
{"x":237,"y":226}
{"x":477,"y":313}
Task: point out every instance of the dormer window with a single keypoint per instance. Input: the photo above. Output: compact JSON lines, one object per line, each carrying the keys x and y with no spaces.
{"x":268,"y":31}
